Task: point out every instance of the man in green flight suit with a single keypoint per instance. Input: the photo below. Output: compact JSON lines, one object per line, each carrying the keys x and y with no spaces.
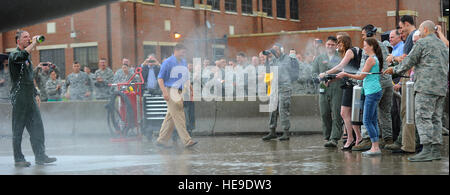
{"x":331,"y":97}
{"x":25,"y":102}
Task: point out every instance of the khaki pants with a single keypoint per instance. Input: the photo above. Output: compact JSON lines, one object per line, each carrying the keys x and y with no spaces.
{"x":408,"y":130}
{"x":174,"y":118}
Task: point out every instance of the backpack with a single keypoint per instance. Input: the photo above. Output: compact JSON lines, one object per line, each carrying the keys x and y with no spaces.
{"x":357,"y":52}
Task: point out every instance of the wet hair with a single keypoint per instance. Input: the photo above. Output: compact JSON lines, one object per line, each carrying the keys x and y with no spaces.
{"x":347,"y":42}
{"x":19,"y":34}
{"x":377,"y":49}
{"x":179,"y":46}
{"x":407,"y":18}
{"x":332,"y":38}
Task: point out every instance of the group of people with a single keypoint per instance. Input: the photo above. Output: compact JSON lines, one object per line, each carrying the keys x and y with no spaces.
{"x":418,"y":55}
{"x":421,"y":56}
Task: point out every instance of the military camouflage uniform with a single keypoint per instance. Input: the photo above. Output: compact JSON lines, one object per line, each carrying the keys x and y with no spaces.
{"x":41,"y":78}
{"x":5,"y":87}
{"x":330,"y":101}
{"x":52,"y":91}
{"x":102,"y":90}
{"x":284,"y":93}
{"x":120,"y":77}
{"x":78,"y":84}
{"x":429,"y":57}
{"x":384,"y":107}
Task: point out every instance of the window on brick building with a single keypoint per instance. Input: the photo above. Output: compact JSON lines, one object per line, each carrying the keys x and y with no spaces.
{"x":87,"y":56}
{"x":281,"y":8}
{"x":149,"y":49}
{"x":215,"y":4}
{"x":167,"y":2}
{"x":230,"y":5}
{"x":149,"y":1}
{"x":166,"y":51}
{"x":55,"y":56}
{"x":267,"y":7}
{"x":293,"y":6}
{"x":187,"y":3}
{"x":247,"y":6}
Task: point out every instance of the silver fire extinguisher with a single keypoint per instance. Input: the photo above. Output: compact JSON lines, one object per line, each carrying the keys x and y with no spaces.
{"x":409,"y":102}
{"x":357,"y":106}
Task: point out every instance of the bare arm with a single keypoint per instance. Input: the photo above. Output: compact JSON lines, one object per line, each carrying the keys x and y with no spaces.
{"x":370,"y":62}
{"x":348,"y":56}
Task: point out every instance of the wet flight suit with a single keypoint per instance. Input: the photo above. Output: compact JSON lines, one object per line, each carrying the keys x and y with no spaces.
{"x":25,"y":112}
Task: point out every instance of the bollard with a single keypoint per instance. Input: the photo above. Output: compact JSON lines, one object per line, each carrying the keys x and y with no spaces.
{"x":357,"y":106}
{"x":409,"y":102}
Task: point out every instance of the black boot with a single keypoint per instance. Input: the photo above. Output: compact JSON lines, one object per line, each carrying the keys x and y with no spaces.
{"x":285,"y":136}
{"x":271,"y":135}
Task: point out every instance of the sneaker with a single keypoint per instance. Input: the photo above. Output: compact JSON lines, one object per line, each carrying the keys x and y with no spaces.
{"x":22,"y":164}
{"x":365,"y":144}
{"x":45,"y":160}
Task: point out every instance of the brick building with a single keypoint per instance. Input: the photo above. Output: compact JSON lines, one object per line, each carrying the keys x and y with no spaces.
{"x":209,"y":28}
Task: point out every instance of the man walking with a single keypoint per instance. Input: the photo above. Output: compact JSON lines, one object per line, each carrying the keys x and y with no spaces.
{"x":171,"y":83}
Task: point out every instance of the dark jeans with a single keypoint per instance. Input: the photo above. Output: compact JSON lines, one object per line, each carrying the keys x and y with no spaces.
{"x":370,"y":115}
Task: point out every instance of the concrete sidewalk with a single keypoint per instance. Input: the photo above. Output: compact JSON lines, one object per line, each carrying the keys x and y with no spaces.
{"x":229,"y":155}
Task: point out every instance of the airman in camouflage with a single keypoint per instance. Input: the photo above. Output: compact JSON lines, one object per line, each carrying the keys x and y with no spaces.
{"x":429,"y":57}
{"x":53,"y":87}
{"x":103,"y":76}
{"x":284,"y":92}
{"x":78,"y":84}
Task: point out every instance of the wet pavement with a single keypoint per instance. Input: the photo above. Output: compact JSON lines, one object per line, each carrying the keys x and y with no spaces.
{"x":228,"y":155}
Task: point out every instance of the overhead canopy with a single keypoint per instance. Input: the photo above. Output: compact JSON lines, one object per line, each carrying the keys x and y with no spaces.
{"x":21,"y":13}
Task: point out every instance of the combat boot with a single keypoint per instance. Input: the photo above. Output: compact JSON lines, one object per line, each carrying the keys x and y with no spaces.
{"x":424,"y":156}
{"x":365,"y":144}
{"x":271,"y":135}
{"x":285,"y":136}
{"x":436,"y":151}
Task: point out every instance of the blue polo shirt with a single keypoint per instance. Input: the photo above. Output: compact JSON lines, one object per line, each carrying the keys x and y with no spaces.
{"x":174,"y":73}
{"x":398,"y":49}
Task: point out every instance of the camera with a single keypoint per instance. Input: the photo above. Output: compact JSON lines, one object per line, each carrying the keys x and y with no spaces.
{"x":152,"y":61}
{"x":269,"y":51}
{"x":45,"y":64}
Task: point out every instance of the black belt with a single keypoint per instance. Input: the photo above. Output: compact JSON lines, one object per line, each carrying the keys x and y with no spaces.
{"x":176,"y":88}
